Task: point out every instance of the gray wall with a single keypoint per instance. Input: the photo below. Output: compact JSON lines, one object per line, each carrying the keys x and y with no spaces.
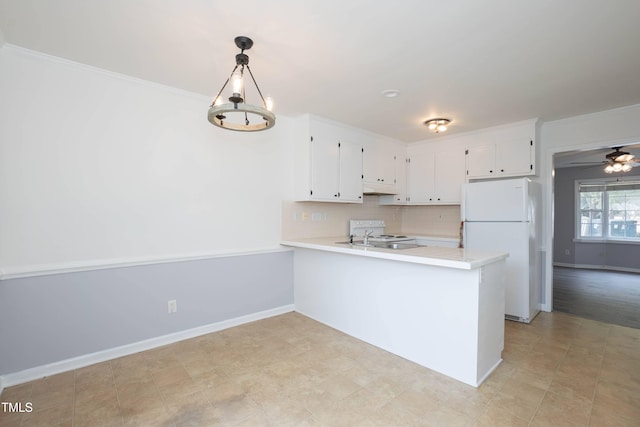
{"x":46,"y":319}
{"x":616,"y":255}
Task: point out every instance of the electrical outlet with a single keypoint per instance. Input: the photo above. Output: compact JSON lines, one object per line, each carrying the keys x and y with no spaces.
{"x":172,"y":306}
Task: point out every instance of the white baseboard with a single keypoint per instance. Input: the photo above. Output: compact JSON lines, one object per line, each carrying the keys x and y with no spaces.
{"x":38,"y":372}
{"x":493,"y":368}
{"x":597,"y":267}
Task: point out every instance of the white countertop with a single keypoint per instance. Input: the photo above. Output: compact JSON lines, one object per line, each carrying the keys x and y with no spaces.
{"x":429,"y":255}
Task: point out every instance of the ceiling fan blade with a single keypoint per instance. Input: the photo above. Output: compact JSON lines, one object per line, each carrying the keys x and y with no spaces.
{"x":602,"y":162}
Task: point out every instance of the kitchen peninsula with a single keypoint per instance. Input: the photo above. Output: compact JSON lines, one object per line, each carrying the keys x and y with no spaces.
{"x":442,"y":308}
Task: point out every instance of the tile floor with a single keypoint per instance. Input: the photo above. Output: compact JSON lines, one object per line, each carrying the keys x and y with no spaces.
{"x":292,"y":371}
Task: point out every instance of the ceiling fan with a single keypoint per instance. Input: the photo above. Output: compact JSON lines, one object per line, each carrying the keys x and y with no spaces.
{"x":617,"y":161}
{"x":620,"y":161}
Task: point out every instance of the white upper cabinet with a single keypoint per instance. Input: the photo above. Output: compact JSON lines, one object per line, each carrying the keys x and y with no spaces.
{"x":448,"y":176}
{"x":399,"y":196}
{"x":325,"y":168}
{"x":420,"y":175}
{"x":503,"y":152}
{"x":379,"y":167}
{"x":350,"y":172}
{"x":339,"y":163}
{"x":328,"y":162}
{"x":435,"y":175}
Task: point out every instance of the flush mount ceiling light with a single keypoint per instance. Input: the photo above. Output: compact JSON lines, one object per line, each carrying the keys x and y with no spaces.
{"x":390,"y":93}
{"x":235,"y":114}
{"x":437,"y":125}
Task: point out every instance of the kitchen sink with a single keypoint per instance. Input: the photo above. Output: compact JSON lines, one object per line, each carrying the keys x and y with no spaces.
{"x":383,"y":245}
{"x":396,"y":245}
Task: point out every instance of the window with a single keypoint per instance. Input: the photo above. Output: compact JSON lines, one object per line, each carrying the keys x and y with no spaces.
{"x":608,"y":210}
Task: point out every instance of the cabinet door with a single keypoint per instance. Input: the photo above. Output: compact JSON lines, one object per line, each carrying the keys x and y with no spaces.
{"x":514,"y":157}
{"x":350,"y":187}
{"x":480,"y":161}
{"x":401,"y":178}
{"x":401,"y":170}
{"x":378,"y":165}
{"x":449,"y":176}
{"x":372,"y":163}
{"x":420,"y":177}
{"x":324,"y":169}
{"x":387,"y":165}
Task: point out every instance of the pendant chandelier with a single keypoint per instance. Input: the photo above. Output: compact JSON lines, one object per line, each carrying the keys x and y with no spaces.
{"x":237,"y":114}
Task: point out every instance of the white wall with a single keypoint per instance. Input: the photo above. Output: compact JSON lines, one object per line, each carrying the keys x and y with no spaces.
{"x":100,"y":170}
{"x":604,"y":129}
{"x":97,"y":167}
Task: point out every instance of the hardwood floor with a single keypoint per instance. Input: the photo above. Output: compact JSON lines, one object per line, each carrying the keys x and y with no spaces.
{"x":606,"y":296}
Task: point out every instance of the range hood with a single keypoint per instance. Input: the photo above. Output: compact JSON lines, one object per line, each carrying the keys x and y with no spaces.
{"x":378,"y":189}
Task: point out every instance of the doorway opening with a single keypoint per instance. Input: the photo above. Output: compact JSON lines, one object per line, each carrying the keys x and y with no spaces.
{"x":596,"y":249}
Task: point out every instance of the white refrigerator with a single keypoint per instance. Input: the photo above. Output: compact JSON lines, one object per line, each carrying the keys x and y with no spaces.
{"x":504,"y":215}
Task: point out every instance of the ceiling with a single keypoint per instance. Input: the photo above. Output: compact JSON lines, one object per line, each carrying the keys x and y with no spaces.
{"x":479,"y":63}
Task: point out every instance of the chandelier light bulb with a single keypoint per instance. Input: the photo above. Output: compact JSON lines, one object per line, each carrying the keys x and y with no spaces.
{"x":433,"y":126}
{"x":236,"y":83}
{"x":626,"y":167}
{"x":269,"y":103}
{"x":608,"y":169}
{"x":442,"y":128}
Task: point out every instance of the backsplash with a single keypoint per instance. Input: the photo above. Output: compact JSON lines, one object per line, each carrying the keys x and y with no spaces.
{"x":316,"y":219}
{"x":431,"y":220}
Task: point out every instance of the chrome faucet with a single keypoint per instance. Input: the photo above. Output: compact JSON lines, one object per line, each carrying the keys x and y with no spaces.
{"x":366,"y":237}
